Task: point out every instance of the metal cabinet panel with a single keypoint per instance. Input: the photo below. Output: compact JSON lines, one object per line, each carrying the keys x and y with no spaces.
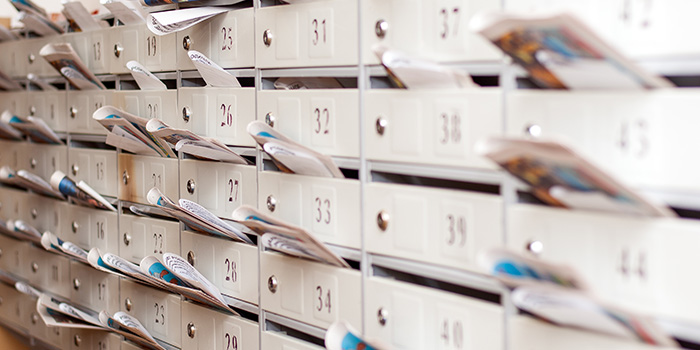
{"x":220,"y":113}
{"x":94,"y":289}
{"x":310,"y":292}
{"x":87,"y":339}
{"x":158,"y":311}
{"x":136,"y":42}
{"x":141,"y":237}
{"x":328,"y":208}
{"x":138,"y":174}
{"x":438,"y":226}
{"x":324,"y":120}
{"x":219,"y":187}
{"x":437,"y":30}
{"x":14,"y":61}
{"x":149,"y":104}
{"x":48,"y":271}
{"x":43,"y":160}
{"x":15,"y":102}
{"x":227,"y":39}
{"x":99,"y":51}
{"x":230,"y":266}
{"x":305,"y":35}
{"x":90,"y":228}
{"x":10,"y":153}
{"x":413,"y":317}
{"x":13,"y":256}
{"x":205,"y":328}
{"x":12,"y":308}
{"x":33,"y":62}
{"x":49,"y":106}
{"x":80,"y":107}
{"x":41,"y":212}
{"x":98,"y":168}
{"x":431,"y":127}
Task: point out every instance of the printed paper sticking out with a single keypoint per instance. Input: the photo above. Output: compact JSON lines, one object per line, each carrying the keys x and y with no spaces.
{"x":212,"y":73}
{"x":42,"y":26}
{"x":127,"y":12}
{"x":35,"y":128}
{"x":67,"y":62}
{"x":166,"y":22}
{"x":131,"y":132}
{"x":412,"y":73}
{"x":144,"y":78}
{"x":307,"y":83}
{"x":43,"y":85}
{"x":561,"y":52}
{"x":81,"y":192}
{"x":341,"y":336}
{"x":75,"y":11}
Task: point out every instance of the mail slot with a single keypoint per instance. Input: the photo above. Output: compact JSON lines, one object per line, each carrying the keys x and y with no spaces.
{"x":430,"y":127}
{"x":80,"y":107}
{"x":437,"y":30}
{"x":205,"y":328}
{"x":324,"y":120}
{"x":220,"y":113}
{"x":309,"y":292}
{"x":141,"y":237}
{"x":277,"y":341}
{"x":49,"y":106}
{"x":227,"y":39}
{"x":305,"y":35}
{"x":219,"y":187}
{"x":158,"y":311}
{"x":138,"y":174}
{"x":414,"y":317}
{"x":89,"y":228}
{"x":328,"y":208}
{"x":93,"y":289}
{"x":230,"y":266}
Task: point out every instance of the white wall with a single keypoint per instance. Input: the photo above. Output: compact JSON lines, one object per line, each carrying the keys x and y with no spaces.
{"x":7,"y":10}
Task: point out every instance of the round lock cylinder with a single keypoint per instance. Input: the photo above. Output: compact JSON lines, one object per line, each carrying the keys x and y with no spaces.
{"x":186,"y":114}
{"x":127,"y":304}
{"x":383,"y":220}
{"x":126,"y":238}
{"x":191,"y":330}
{"x":271,"y":203}
{"x":272,"y":284}
{"x":186,"y":43}
{"x":191,"y":258}
{"x":267,"y":37}
{"x":190,"y":186}
{"x":381,"y":28}
{"x":270,"y":119}
{"x":118,"y":49}
{"x":381,"y":125}
{"x":382,"y":316}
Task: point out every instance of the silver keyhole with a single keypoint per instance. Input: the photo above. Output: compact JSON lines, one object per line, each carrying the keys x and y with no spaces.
{"x":190,"y":186}
{"x":118,"y":50}
{"x":34,"y":213}
{"x":35,"y":267}
{"x":32,"y":110}
{"x":272,"y":284}
{"x":267,"y":37}
{"x":270,"y":119}
{"x":127,"y":239}
{"x":186,"y":43}
{"x":191,"y":329}
{"x":73,"y":112}
{"x":76,"y":284}
{"x":380,"y":28}
{"x":35,"y":318}
{"x":186,"y":114}
{"x":128,"y":304}
{"x":74,"y":169}
{"x":191,"y":258}
{"x":32,"y":163}
{"x":383,"y":220}
{"x":125,"y":177}
{"x":271,"y":203}
{"x":533,"y":130}
{"x":535,"y":247}
{"x":31,"y":58}
{"x":77,"y":340}
{"x":382,"y":316}
{"x":381,"y":125}
{"x":75,"y":226}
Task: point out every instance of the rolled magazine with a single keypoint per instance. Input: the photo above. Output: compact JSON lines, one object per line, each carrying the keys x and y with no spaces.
{"x":80,"y":192}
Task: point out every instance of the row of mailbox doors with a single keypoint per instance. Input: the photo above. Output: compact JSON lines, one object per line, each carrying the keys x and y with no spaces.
{"x":326,"y":33}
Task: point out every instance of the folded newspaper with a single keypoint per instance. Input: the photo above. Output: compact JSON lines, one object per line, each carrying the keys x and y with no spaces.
{"x":304,"y":83}
{"x":52,"y":243}
{"x":285,"y":238}
{"x":7,"y":131}
{"x":412,"y":73}
{"x":75,"y":12}
{"x":212,"y":73}
{"x":39,"y":25}
{"x":193,"y":144}
{"x":7,"y":228}
{"x":7,"y":83}
{"x":174,"y":274}
{"x":561,"y":52}
{"x":80,"y":192}
{"x":35,"y":128}
{"x":58,"y":313}
{"x":342,"y":336}
{"x":67,"y":62}
{"x":129,"y":12}
{"x":144,"y":78}
{"x":29,"y":181}
{"x":166,"y":22}
{"x":129,"y":132}
{"x":197,"y":217}
{"x":22,"y":230}
{"x":290,"y":156}
{"x":561,"y":177}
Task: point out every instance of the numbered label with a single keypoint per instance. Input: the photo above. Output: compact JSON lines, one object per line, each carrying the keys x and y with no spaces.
{"x":455,"y":229}
{"x":227,"y":38}
{"x":233,"y":190}
{"x":323,"y":209}
{"x":159,"y":318}
{"x":451,"y":328}
{"x":325,"y":297}
{"x":156,"y":178}
{"x":226,"y":116}
{"x":101,"y":291}
{"x":321,"y":33}
{"x":158,"y":240}
{"x":100,"y":229}
{"x":231,"y":270}
{"x":151,"y":46}
{"x":232,"y":336}
{"x":323,"y":121}
{"x":450,"y":26}
{"x":450,"y":127}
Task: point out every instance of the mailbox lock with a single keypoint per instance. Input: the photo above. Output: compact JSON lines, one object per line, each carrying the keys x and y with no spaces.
{"x":533,"y":130}
{"x":271,"y":203}
{"x":128,"y":304}
{"x":186,"y":42}
{"x":383,"y":220}
{"x":186,"y":114}
{"x":34,"y":213}
{"x":32,"y":110}
{"x":31,"y":58}
{"x":272,"y":284}
{"x":191,"y":329}
{"x":118,"y":49}
{"x":76,"y":284}
{"x":74,"y":169}
{"x":190,"y":186}
{"x":382,"y":316}
{"x":125,"y":177}
{"x":127,"y":238}
{"x":190,"y":257}
{"x":535,"y":247}
{"x":267,"y":37}
{"x":35,"y":267}
{"x":270,"y":119}
{"x":73,"y":112}
{"x":380,"y":28}
{"x":77,"y":340}
{"x":35,"y":318}
{"x":381,"y":125}
{"x":74,"y":226}
{"x":32,"y":163}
